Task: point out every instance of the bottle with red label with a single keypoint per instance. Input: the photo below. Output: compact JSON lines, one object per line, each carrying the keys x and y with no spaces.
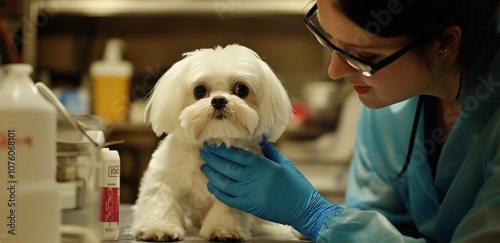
{"x":110,"y":194}
{"x":29,"y":195}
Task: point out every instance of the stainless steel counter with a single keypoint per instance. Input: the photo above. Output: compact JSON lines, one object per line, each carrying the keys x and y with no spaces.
{"x":126,"y":221}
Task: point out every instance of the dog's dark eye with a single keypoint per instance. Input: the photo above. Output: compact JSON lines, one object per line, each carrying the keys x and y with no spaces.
{"x":200,"y":92}
{"x":241,"y":90}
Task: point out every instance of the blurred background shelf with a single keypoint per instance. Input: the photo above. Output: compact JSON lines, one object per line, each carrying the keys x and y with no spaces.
{"x":161,"y":7}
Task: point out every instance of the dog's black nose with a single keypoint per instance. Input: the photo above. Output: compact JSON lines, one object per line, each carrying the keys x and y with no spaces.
{"x":219,"y":102}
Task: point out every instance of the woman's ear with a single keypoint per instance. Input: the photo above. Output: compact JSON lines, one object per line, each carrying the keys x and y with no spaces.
{"x":449,"y":41}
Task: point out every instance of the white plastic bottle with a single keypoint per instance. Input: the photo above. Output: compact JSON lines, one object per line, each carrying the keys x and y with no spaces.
{"x":110,"y":194}
{"x":29,"y":206}
{"x":111,"y":79}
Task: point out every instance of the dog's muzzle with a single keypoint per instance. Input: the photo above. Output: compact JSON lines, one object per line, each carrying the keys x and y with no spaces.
{"x":219,"y":103}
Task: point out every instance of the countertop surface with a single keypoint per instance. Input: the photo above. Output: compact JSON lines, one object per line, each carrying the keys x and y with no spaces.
{"x":278,"y":234}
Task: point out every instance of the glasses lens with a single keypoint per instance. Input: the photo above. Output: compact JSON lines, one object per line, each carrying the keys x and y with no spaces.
{"x":323,"y":39}
{"x":355,"y":64}
{"x":323,"y":42}
{"x":319,"y":30}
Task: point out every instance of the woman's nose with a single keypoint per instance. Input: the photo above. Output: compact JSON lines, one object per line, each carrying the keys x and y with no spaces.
{"x":338,"y":69}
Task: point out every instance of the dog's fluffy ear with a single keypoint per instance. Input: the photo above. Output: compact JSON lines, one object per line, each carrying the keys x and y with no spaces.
{"x":165,"y":102}
{"x":275,"y":106}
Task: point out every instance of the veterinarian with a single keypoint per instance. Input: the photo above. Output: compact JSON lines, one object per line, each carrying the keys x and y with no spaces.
{"x":426,"y":165}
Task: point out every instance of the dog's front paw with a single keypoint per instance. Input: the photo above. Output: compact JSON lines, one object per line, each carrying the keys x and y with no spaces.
{"x":225,"y":233}
{"x":158,"y":231}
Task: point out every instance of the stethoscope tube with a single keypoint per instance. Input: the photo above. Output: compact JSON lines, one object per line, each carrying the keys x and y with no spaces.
{"x":412,"y":139}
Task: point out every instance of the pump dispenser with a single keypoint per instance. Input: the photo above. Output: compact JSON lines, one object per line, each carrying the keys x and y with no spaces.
{"x":29,"y":194}
{"x":111,"y":83}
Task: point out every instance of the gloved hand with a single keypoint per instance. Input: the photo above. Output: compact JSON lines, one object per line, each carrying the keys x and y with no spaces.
{"x":268,"y":187}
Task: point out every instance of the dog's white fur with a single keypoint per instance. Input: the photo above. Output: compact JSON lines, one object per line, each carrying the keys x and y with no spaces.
{"x":173,"y":189}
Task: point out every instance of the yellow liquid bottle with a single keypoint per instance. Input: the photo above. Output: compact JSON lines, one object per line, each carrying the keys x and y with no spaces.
{"x":111,"y":97}
{"x":111,"y":79}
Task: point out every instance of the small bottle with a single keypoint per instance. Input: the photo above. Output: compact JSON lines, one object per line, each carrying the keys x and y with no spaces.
{"x":29,"y":194}
{"x":110,"y":194}
{"x":111,"y":83}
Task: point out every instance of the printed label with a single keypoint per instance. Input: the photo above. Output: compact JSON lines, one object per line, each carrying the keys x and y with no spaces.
{"x":114,"y":171}
{"x":110,"y":204}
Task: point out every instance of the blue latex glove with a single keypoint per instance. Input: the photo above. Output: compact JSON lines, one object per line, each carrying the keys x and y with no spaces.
{"x":268,"y":187}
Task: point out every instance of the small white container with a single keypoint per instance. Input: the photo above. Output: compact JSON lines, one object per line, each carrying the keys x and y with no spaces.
{"x":110,"y":194}
{"x":30,"y":196}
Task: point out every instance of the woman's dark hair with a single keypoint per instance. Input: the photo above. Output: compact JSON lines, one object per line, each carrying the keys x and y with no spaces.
{"x":424,"y":19}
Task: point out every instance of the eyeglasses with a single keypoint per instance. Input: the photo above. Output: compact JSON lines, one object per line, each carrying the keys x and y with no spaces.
{"x":365,"y":67}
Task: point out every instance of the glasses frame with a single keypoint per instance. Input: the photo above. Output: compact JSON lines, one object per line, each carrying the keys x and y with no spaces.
{"x":373,"y":67}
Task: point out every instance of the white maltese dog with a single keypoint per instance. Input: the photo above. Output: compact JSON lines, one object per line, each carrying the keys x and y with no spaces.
{"x":223,"y":96}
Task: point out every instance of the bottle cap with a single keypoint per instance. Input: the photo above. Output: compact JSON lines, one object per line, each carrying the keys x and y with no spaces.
{"x":19,"y":67}
{"x":113,"y":50}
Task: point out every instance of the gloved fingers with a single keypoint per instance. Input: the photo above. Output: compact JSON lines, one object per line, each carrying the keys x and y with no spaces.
{"x":271,"y":152}
{"x":236,"y":155}
{"x":222,"y":165}
{"x":224,"y":183}
{"x":219,"y":180}
{"x":220,"y":195}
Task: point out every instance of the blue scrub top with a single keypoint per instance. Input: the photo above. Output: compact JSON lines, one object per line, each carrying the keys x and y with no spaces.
{"x":462,"y":202}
